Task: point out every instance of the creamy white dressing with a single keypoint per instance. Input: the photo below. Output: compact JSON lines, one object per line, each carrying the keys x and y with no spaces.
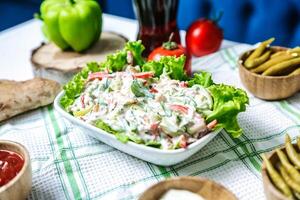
{"x":175,"y":194}
{"x":170,"y":114}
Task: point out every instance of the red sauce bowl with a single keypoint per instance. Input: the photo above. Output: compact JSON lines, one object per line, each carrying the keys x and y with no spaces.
{"x":19,"y":186}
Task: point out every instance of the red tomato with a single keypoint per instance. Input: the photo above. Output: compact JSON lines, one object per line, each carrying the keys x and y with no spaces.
{"x":172,"y":49}
{"x":203,"y":37}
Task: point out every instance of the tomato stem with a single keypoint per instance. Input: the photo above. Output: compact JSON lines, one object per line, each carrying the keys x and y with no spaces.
{"x":72,"y":1}
{"x":217,"y":16}
{"x":170,"y":45}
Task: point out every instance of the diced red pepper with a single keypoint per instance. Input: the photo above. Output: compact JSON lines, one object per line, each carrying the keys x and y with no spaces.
{"x":99,"y":75}
{"x":180,"y":108}
{"x":183,"y":84}
{"x":154,"y":128}
{"x":212,"y":124}
{"x":82,"y":101}
{"x":143,"y":75}
{"x":183,"y":142}
{"x":153,"y":90}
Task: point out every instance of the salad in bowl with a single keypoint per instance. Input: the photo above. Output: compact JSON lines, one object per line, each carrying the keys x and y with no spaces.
{"x":152,"y":103}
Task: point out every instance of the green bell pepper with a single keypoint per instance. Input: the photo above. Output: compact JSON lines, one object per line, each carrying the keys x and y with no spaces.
{"x":75,"y":24}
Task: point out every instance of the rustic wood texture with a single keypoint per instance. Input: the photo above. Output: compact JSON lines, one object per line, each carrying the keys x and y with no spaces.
{"x":49,"y":56}
{"x":208,"y":189}
{"x":271,"y":192}
{"x":20,"y":186}
{"x":268,"y":87}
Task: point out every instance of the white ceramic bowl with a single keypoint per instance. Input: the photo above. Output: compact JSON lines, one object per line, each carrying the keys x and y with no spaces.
{"x":149,"y":154}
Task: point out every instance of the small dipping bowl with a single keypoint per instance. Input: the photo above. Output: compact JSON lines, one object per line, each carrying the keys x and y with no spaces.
{"x":19,"y":186}
{"x":268,"y":87}
{"x":207,"y":189}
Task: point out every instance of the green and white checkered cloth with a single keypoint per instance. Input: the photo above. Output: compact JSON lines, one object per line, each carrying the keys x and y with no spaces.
{"x":68,"y":164}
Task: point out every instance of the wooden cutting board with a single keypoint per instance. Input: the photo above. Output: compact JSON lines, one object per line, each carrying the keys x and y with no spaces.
{"x":52,"y":63}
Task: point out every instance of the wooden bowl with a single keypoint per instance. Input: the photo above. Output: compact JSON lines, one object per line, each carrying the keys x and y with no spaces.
{"x":268,"y":87}
{"x":208,"y":189}
{"x":20,"y":186}
{"x":271,"y":192}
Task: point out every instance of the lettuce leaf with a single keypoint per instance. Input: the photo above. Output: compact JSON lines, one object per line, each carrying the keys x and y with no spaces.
{"x":170,"y":65}
{"x":121,"y":136}
{"x":201,"y":78}
{"x":174,"y":67}
{"x":74,"y":87}
{"x":114,"y":62}
{"x":136,"y":48}
{"x":153,"y":66}
{"x":228,"y":102}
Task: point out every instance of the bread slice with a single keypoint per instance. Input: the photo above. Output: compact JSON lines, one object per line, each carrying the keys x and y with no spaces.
{"x":20,"y":96}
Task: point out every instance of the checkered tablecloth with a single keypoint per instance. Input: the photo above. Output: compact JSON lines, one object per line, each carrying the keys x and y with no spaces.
{"x":68,"y":164}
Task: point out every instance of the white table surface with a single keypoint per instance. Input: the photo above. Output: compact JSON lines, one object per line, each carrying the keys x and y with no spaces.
{"x":17,"y":43}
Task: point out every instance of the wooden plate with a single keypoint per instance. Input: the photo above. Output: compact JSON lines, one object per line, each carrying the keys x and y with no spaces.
{"x":51,"y":62}
{"x":208,"y":189}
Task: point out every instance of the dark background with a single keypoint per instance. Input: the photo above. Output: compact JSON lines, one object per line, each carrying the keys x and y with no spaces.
{"x":247,"y":21}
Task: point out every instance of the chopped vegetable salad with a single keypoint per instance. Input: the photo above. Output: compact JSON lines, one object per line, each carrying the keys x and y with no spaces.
{"x":152,"y":103}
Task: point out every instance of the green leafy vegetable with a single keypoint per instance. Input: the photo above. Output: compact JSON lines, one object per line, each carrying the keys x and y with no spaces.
{"x":136,"y":48}
{"x":122,"y":137}
{"x":135,"y":138}
{"x":153,"y":66}
{"x":139,"y":90}
{"x":153,"y":143}
{"x":114,"y":62}
{"x":201,"y":78}
{"x":228,"y":102}
{"x":117,"y":61}
{"x":172,"y":66}
{"x":102,"y":125}
{"x":74,"y":87}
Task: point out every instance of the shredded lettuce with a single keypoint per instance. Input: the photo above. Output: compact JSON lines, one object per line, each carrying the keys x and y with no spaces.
{"x":139,"y":90}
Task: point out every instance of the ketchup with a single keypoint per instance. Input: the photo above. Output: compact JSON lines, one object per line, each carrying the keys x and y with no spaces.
{"x":11,"y":164}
